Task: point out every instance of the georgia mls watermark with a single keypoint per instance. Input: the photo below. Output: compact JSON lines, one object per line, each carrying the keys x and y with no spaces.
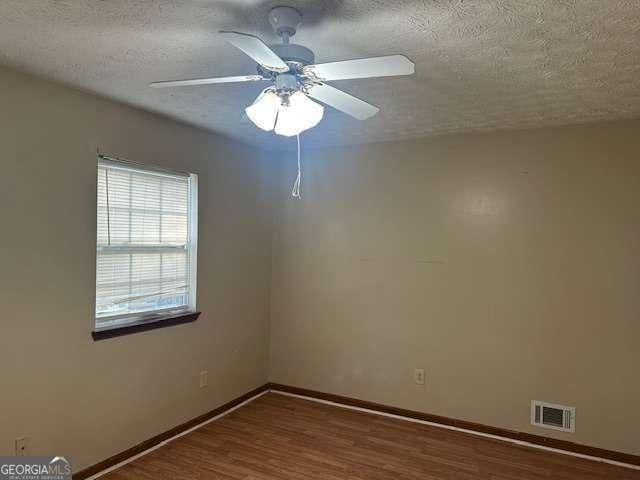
{"x":35,"y":468}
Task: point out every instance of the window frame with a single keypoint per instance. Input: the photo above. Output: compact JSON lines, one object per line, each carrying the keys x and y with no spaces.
{"x":121,"y":324}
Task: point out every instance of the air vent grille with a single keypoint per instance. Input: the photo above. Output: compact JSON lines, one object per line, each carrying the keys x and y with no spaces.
{"x":550,"y":415}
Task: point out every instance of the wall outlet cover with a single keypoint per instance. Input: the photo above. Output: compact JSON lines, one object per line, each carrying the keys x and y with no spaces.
{"x":204,"y":378}
{"x":22,"y":446}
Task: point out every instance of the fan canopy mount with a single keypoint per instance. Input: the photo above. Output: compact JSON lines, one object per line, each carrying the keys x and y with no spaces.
{"x":285,"y":21}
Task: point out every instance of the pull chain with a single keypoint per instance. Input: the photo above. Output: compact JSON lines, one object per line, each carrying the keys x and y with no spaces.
{"x":295,"y":192}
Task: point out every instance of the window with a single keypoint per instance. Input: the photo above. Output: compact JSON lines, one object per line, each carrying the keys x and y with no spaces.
{"x":146,"y":244}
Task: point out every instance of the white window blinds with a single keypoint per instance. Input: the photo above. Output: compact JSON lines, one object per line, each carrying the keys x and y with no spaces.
{"x":146,"y":248}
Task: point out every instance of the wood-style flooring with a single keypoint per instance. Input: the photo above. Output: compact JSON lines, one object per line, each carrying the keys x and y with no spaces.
{"x":280,"y":437}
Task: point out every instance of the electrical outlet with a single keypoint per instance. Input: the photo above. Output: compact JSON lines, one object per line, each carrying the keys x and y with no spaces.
{"x":418,"y":376}
{"x":22,"y":446}
{"x":204,"y":378}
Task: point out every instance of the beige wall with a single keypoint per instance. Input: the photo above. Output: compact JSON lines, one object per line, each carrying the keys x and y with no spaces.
{"x":506,"y":264}
{"x":86,"y":399}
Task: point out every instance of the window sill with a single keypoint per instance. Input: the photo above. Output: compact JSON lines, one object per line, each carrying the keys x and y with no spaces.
{"x":162,"y":322}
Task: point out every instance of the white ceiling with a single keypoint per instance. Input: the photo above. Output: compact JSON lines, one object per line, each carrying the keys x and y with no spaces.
{"x":480,"y":64}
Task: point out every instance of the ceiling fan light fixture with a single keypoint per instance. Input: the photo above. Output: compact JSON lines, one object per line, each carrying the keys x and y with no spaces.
{"x":296,"y":80}
{"x":264,"y":110}
{"x":300,"y":113}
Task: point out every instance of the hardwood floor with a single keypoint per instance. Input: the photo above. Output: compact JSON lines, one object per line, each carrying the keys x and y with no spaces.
{"x":278,"y":437}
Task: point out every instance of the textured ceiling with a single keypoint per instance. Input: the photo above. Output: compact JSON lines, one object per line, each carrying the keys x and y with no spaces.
{"x":480,"y":64}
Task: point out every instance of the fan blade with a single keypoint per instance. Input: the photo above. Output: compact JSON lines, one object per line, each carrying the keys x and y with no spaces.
{"x":342,"y":101}
{"x":256,"y":49}
{"x":361,"y":68}
{"x":207,"y":81}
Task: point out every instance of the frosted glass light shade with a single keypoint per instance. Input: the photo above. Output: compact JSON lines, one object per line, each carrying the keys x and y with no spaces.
{"x":299,"y":115}
{"x":264,"y":110}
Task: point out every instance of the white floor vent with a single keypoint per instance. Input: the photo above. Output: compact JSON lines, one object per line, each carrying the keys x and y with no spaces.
{"x":550,"y":415}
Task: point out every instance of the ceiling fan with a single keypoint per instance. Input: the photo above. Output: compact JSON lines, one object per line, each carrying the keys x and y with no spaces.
{"x":285,"y":106}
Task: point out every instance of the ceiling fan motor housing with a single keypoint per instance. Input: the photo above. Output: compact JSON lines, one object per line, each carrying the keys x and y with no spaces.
{"x":297,"y":54}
